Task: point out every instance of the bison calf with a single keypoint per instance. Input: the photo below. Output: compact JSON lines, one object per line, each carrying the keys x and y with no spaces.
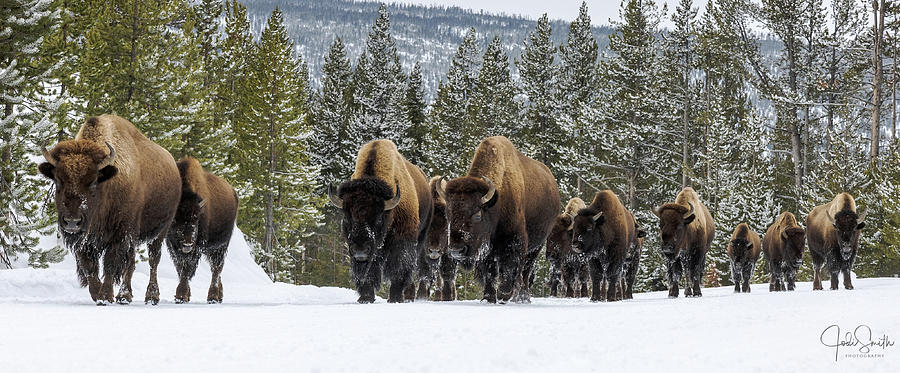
{"x":783,"y":250}
{"x":435,"y":264}
{"x":203,"y":225}
{"x":833,"y":237}
{"x":566,"y":265}
{"x":743,"y":251}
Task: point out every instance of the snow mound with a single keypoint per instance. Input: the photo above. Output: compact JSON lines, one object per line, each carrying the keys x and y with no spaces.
{"x":243,"y":281}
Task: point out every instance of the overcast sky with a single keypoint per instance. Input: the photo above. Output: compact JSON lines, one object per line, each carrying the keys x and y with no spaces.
{"x":601,"y":11}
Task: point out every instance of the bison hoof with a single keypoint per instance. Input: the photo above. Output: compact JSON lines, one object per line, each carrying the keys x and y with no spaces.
{"x":181,"y":301}
{"x":124,"y":297}
{"x":213,"y":301}
{"x":365,"y":300}
{"x":102,"y":302}
{"x":848,"y":287}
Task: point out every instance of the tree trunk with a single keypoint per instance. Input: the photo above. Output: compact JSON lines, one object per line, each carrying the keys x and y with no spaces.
{"x":270,"y":207}
{"x":878,"y":13}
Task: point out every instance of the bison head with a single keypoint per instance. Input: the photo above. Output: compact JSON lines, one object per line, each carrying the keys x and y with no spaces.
{"x":367,"y":205}
{"x":559,"y":242}
{"x":793,"y":240}
{"x":848,"y":224}
{"x":188,"y":219}
{"x":587,"y":232}
{"x":741,"y":249}
{"x":673,"y":222}
{"x":79,"y":168}
{"x":471,"y":214}
{"x":437,"y":233}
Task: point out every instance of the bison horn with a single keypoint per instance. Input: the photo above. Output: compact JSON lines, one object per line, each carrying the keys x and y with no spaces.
{"x":690,"y":212}
{"x":335,"y":200}
{"x":598,"y":216}
{"x":48,"y":156}
{"x":490,"y":193}
{"x":441,"y":188}
{"x":828,"y":215}
{"x":109,"y":159}
{"x":202,"y":203}
{"x":571,"y":225}
{"x":393,"y":202}
{"x":862,"y":216}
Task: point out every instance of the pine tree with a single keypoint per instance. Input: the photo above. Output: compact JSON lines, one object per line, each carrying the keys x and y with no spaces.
{"x":279,"y":206}
{"x":449,"y":115}
{"x":492,"y":108}
{"x":380,"y":89}
{"x":25,"y":127}
{"x":237,"y":48}
{"x":333,"y":151}
{"x":542,"y":137}
{"x":417,"y":133}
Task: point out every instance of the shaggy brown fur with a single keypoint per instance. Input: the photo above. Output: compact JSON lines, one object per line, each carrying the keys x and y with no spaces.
{"x":203,"y":225}
{"x":605,"y":232}
{"x":782,"y":247}
{"x":743,"y":250}
{"x":503,"y":236}
{"x":833,"y":238}
{"x":435,"y":264}
{"x":565,"y":265}
{"x":685,"y":240}
{"x":109,"y":211}
{"x":385,"y":241}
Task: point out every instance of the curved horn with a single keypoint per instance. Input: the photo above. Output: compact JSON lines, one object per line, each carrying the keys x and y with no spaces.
{"x":862,"y":216}
{"x":690,"y":212}
{"x":490,"y":193}
{"x":598,"y":216}
{"x":335,"y":200}
{"x":440,"y":187}
{"x":571,"y":225}
{"x":828,"y":215}
{"x":109,"y":159}
{"x":393,"y":202}
{"x":202,"y":203}
{"x":48,"y":156}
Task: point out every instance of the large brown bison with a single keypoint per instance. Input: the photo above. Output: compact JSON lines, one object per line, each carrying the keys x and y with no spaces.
{"x":833,"y":238}
{"x":633,"y":259}
{"x":686,"y":230}
{"x":743,"y":251}
{"x":605,"y":233}
{"x":435,"y":263}
{"x":115,"y":189}
{"x":387,"y":211}
{"x":203,"y":225}
{"x":782,"y":247}
{"x":500,"y":214}
{"x":565,"y":264}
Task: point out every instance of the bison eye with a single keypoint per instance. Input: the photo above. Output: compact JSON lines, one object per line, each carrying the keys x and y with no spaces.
{"x":477,"y":217}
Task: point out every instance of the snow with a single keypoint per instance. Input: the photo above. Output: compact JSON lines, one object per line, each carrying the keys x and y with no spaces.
{"x":51,"y":325}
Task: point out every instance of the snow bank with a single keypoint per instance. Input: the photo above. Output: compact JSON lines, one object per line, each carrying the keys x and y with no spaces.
{"x":243,"y":281}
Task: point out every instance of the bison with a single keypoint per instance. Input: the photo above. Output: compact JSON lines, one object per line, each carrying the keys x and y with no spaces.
{"x":435,"y":264}
{"x":605,"y":233}
{"x":565,"y":264}
{"x":500,"y":214}
{"x":743,"y":251}
{"x":203,"y":225}
{"x":632,"y":260}
{"x":833,"y":237}
{"x":115,"y":189}
{"x":387,"y":210}
{"x":686,"y":232}
{"x":782,"y":247}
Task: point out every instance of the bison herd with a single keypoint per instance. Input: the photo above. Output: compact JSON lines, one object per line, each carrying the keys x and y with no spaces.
{"x":116,"y":189}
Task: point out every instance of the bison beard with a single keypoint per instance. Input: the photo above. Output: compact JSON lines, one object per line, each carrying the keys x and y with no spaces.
{"x":686,"y":231}
{"x":203,"y":225}
{"x":97,"y":177}
{"x":500,"y":214}
{"x":743,"y":251}
{"x":833,"y":236}
{"x":385,"y":230}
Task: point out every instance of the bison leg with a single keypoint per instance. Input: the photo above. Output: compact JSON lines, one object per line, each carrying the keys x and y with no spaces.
{"x":697,"y":274}
{"x":847,"y":283}
{"x":736,"y":276}
{"x":88,"y":263}
{"x":673,"y":274}
{"x":511,"y":283}
{"x":113,"y":265}
{"x":688,"y":275}
{"x":596,"y":269}
{"x":834,"y":279}
{"x":746,"y":274}
{"x":789,"y":276}
{"x":583,"y":278}
{"x":214,"y":294}
{"x":154,"y":252}
{"x":631,"y":276}
{"x":818,"y":262}
{"x":448,"y":279}
{"x":486,"y":273}
{"x":528,"y":270}
{"x":125,"y":292}
{"x":568,"y":278}
{"x":554,"y":282}
{"x":186,"y":267}
{"x":366,"y":276}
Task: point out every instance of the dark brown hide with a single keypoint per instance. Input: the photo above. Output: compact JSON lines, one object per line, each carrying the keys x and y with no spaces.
{"x":605,"y":232}
{"x":685,"y":239}
{"x":782,"y":247}
{"x":743,"y":251}
{"x":833,"y":236}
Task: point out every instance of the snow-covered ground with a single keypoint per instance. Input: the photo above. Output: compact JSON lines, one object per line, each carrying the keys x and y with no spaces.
{"x":49,"y":324}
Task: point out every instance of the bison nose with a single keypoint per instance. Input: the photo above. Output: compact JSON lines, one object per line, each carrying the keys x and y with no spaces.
{"x":187,"y":247}
{"x":360,"y":252}
{"x":578,"y":247}
{"x":458,"y":252}
{"x":72,"y":225}
{"x":434,"y":254}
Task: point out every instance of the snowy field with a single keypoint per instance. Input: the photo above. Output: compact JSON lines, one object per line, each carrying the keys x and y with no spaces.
{"x":50,"y":325}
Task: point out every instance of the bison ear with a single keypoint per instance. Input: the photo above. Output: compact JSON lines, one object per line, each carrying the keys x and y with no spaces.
{"x":689,"y":219}
{"x":750,"y":246}
{"x":861,"y":225}
{"x":46,"y":169}
{"x":106,"y":173}
{"x":490,"y":203}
